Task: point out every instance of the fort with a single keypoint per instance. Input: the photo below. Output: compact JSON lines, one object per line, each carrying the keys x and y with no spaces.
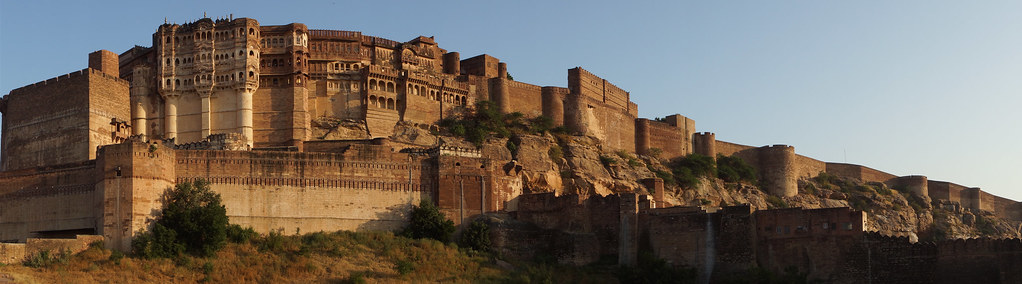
{"x":237,"y":103}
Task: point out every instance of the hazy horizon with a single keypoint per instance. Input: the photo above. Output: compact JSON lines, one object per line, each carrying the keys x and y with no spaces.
{"x":909,"y":88}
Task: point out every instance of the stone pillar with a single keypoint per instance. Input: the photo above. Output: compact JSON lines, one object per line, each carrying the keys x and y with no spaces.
{"x":245,"y":116}
{"x":170,"y":116}
{"x":138,"y":116}
{"x":206,"y":109}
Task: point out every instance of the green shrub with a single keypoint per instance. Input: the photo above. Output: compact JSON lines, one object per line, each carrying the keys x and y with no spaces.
{"x":859,"y":203}
{"x":687,"y":170}
{"x":776,"y":202}
{"x":46,"y":259}
{"x":633,"y":162}
{"x":668,"y":177}
{"x":607,"y":160}
{"x":193,"y":221}
{"x":239,"y":235}
{"x":555,"y":152}
{"x":512,"y":146}
{"x":427,"y":222}
{"x":158,"y":242}
{"x":476,"y":236}
{"x":404,"y":267}
{"x":115,"y":256}
{"x":656,"y":152}
{"x":734,"y":169}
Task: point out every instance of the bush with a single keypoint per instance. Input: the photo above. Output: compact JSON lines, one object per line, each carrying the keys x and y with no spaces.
{"x":687,"y":170}
{"x":45,"y":259}
{"x":476,"y":236}
{"x":555,"y":152}
{"x":193,"y":221}
{"x":776,"y":202}
{"x":237,"y":234}
{"x":428,"y":222}
{"x":607,"y":160}
{"x":656,"y":152}
{"x":734,"y":169}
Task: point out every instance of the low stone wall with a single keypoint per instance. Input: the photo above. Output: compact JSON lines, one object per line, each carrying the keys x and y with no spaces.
{"x":11,"y":253}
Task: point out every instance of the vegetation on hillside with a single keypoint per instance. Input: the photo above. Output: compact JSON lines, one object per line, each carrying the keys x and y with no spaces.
{"x":193,"y":221}
{"x":486,"y":121}
{"x":688,"y":170}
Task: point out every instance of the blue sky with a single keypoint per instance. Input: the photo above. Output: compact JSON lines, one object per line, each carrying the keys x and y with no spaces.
{"x":909,"y":87}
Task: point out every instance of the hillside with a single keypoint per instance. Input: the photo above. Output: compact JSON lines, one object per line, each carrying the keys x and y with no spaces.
{"x":340,"y":257}
{"x":580,"y":165}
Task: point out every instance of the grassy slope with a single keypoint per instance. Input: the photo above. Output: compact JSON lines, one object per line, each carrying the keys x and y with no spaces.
{"x":341,"y":257}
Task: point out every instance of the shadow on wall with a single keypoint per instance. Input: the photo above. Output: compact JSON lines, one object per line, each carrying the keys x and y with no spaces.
{"x":394,"y":219}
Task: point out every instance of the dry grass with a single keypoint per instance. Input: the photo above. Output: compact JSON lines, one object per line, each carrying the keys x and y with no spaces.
{"x":341,"y":257}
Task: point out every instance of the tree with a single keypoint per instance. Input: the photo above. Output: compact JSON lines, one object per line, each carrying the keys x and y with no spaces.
{"x":428,"y":222}
{"x":476,"y":236}
{"x":193,"y":221}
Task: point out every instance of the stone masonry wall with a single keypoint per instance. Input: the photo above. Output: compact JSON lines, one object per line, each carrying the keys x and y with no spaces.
{"x":366,"y":187}
{"x":47,"y":123}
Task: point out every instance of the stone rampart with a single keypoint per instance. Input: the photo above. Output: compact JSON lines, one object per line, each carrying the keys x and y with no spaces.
{"x":14,"y":253}
{"x":862,"y":173}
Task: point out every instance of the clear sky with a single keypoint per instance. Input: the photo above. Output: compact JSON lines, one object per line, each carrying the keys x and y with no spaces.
{"x":906,"y":87}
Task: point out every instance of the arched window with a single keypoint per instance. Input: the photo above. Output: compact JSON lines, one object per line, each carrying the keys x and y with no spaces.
{"x":390,"y":103}
{"x":251,"y":31}
{"x":167,"y":84}
{"x":167,"y":40}
{"x":372,"y":100}
{"x":177,"y":61}
{"x":382,"y":103}
{"x":390,"y":87}
{"x":252,"y":53}
{"x":464,"y":100}
{"x":177,"y":82}
{"x":372,"y":84}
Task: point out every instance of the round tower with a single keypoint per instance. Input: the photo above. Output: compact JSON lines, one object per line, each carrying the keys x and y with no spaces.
{"x":553,"y":105}
{"x":501,"y":95}
{"x":642,"y":136}
{"x":705,"y":143}
{"x":777,"y":169}
{"x":914,"y":184}
{"x":452,"y":63}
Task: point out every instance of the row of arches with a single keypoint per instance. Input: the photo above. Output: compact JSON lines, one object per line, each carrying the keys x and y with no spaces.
{"x":382,"y":102}
{"x":206,"y":35}
{"x":204,"y":56}
{"x":279,"y":42}
{"x":381,"y":85}
{"x":423,"y":91}
{"x":206,"y":77}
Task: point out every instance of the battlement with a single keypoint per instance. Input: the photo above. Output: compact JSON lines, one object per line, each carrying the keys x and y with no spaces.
{"x":335,"y":34}
{"x":526,"y":86}
{"x":67,"y":77}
